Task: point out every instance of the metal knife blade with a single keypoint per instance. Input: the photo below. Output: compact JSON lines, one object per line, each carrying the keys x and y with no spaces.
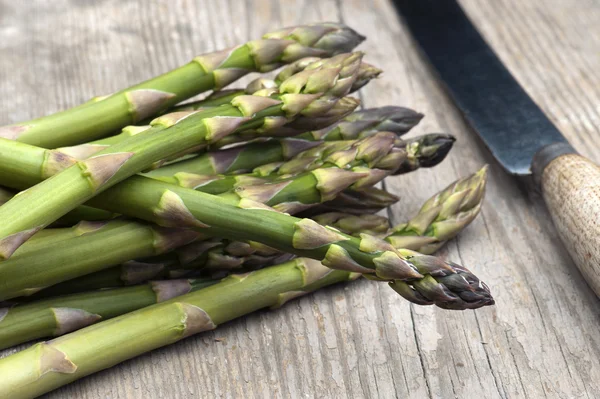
{"x":511,"y":125}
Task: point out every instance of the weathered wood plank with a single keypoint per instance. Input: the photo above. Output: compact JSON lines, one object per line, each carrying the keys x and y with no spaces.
{"x":358,"y":340}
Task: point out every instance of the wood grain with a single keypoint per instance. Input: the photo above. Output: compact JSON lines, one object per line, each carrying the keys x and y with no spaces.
{"x":571,"y":189}
{"x":358,"y":340}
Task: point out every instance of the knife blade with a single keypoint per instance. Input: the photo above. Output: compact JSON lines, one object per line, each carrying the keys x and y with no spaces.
{"x":515,"y":130}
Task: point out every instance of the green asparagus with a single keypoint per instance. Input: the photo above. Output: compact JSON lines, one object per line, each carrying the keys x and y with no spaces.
{"x":247,"y":157}
{"x":442,"y":216}
{"x":309,"y":93}
{"x":206,"y":72}
{"x":49,"y":365}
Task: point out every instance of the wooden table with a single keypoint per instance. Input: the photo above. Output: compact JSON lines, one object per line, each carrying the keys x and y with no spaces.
{"x":361,"y":339}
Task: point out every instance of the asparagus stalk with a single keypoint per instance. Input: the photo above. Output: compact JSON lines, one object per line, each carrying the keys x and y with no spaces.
{"x":377,"y":156}
{"x":46,"y":237}
{"x":289,"y":195}
{"x":249,"y":220}
{"x":366,"y":122}
{"x":364,"y":74}
{"x":49,"y":365}
{"x":39,"y":319}
{"x":247,"y":157}
{"x":216,"y":99}
{"x":375,"y":225}
{"x":113,"y":243}
{"x":462,"y":197}
{"x":382,"y":151}
{"x":61,"y":315}
{"x":311,"y":92}
{"x":442,"y":216}
{"x":214,"y":257}
{"x":206,"y":72}
{"x":74,"y":216}
{"x":368,"y":200}
{"x":108,"y":343}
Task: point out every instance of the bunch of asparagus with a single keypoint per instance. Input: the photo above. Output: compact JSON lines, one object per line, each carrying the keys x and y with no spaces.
{"x":202,"y":212}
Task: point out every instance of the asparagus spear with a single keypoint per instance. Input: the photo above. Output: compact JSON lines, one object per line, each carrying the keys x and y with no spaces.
{"x":247,"y":157}
{"x":59,"y":316}
{"x":49,"y":365}
{"x":440,"y":219}
{"x":311,"y":92}
{"x":375,"y":225}
{"x":364,"y":74}
{"x":249,"y":220}
{"x":160,"y":325}
{"x":363,"y":123}
{"x":400,"y":157}
{"x":368,"y":200}
{"x":377,"y":156}
{"x":50,"y":263}
{"x":213,"y":258}
{"x":115,"y":242}
{"x":206,"y":72}
{"x":467,"y":192}
{"x":51,"y":236}
{"x":465,"y":195}
{"x":442,"y":216}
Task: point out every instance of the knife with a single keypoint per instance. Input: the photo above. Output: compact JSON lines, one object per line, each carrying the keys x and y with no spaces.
{"x":511,"y":125}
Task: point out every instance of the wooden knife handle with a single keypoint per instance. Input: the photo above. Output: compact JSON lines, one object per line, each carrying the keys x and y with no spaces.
{"x":570,"y":186}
